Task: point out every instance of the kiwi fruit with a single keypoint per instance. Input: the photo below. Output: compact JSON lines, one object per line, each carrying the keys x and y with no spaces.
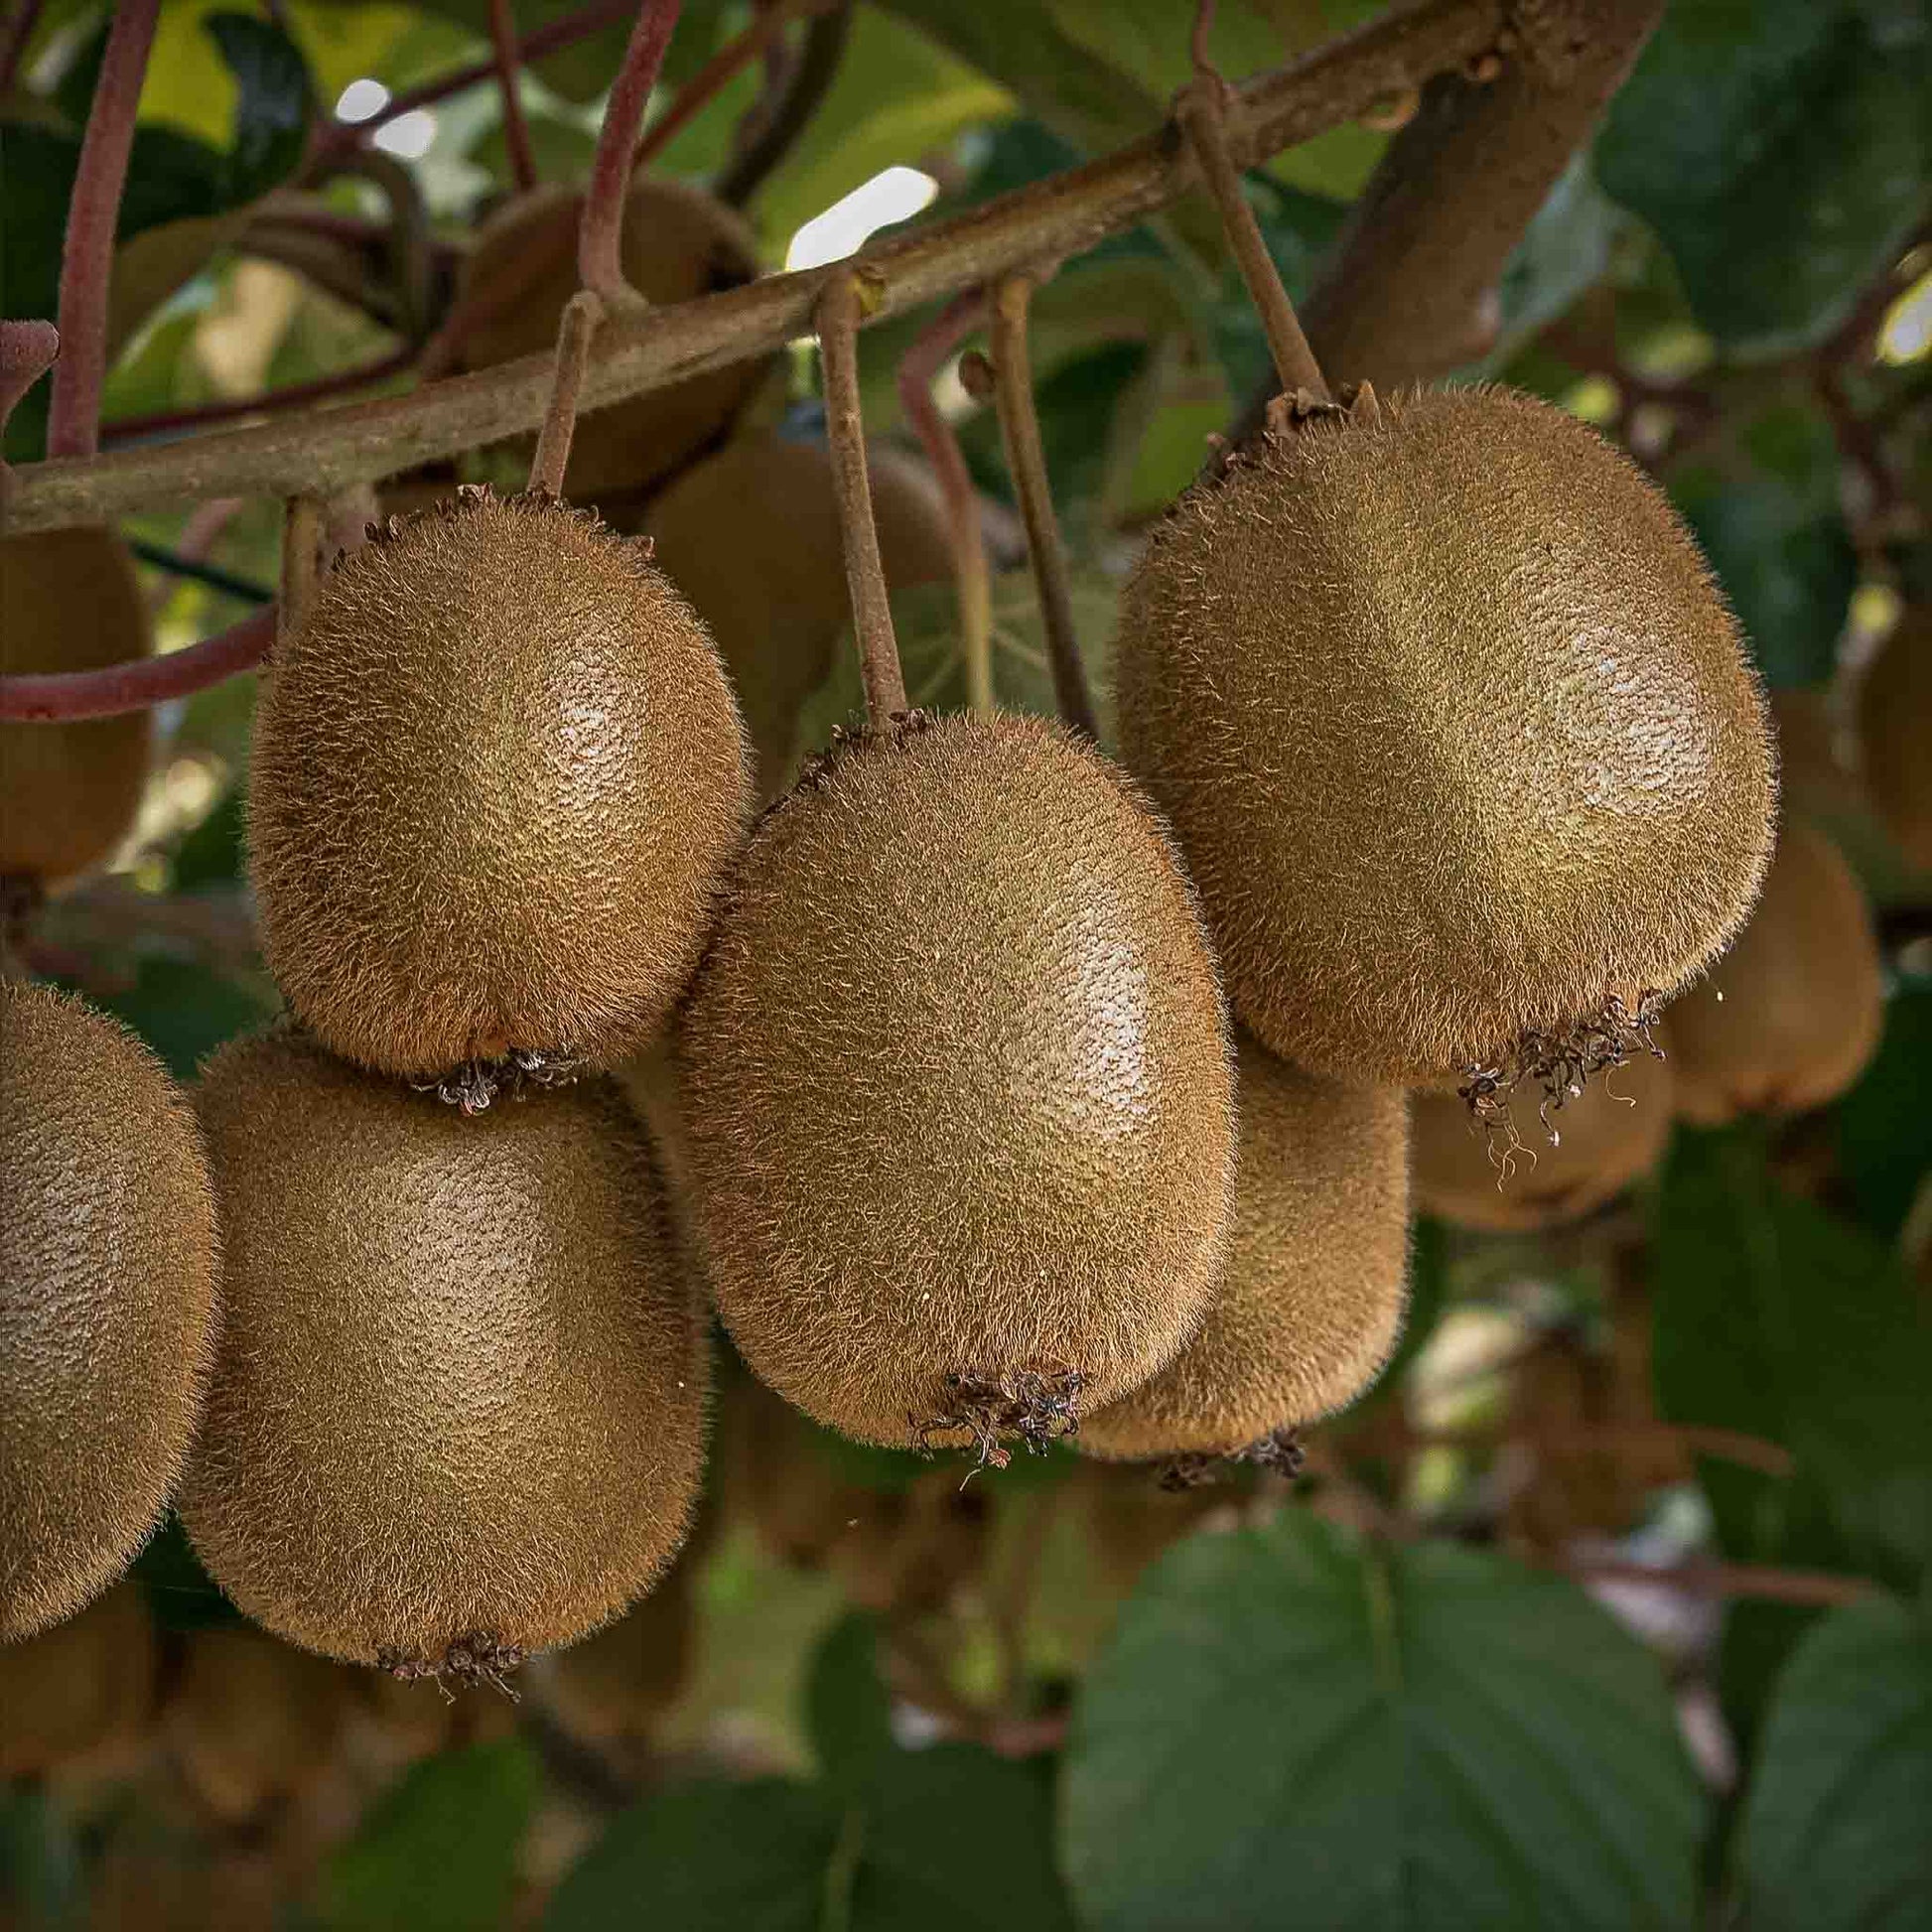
{"x":613,"y":1687}
{"x":677,"y":244}
{"x":957,"y":1088}
{"x":69,"y":601}
{"x":458,"y":1413}
{"x":751,"y":535}
{"x":84,"y":1687}
{"x":1507,"y":1176}
{"x":1455,"y":730}
{"x":107,"y":1299}
{"x":249,"y":1722}
{"x":496,"y":778}
{"x":1894,"y":727}
{"x":1789,"y":1016}
{"x":1310,"y":1302}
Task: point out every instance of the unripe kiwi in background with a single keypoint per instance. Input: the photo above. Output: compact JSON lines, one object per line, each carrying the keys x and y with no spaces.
{"x":462,"y":1382}
{"x":84,"y":1687}
{"x":249,"y":1722}
{"x":614,"y":1686}
{"x":1511,"y":1176}
{"x":496,"y":778}
{"x":1789,"y":1016}
{"x":956,"y":1081}
{"x":1455,"y":728}
{"x":1310,"y":1302}
{"x":751,"y":536}
{"x":107,"y":1299}
{"x":1895,"y":731}
{"x":677,"y":244}
{"x":69,"y":601}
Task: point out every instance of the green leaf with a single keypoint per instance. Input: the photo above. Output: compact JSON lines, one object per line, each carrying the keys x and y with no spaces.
{"x":438,"y":1852}
{"x":1884,"y":1128}
{"x":1835,"y":1830}
{"x":848,"y":1711}
{"x":1777,"y":1319}
{"x":1293,"y":1727}
{"x":706,"y":1857}
{"x":274,"y":99}
{"x":1783,"y":150}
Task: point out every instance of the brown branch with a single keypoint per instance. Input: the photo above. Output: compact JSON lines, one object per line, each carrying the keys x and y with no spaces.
{"x":88,"y":252}
{"x":1063,"y":215}
{"x":599,"y":263}
{"x":965,"y":532}
{"x":59,"y":697}
{"x":766,"y":138}
{"x":1013,"y":382}
{"x":1810,"y":1588}
{"x":516,"y":130}
{"x":840,"y":310}
{"x":704,"y":86}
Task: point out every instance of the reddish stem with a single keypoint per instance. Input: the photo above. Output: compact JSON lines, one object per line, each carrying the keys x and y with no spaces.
{"x":599,"y":263}
{"x":972,"y":579}
{"x":704,"y":86}
{"x":88,"y":257}
{"x":60,"y":697}
{"x":516,"y":130}
{"x":1197,"y":40}
{"x":13,"y":46}
{"x":131,"y":429}
{"x":27,"y":353}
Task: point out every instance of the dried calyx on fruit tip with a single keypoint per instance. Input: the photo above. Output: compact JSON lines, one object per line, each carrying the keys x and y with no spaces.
{"x":1457,"y":732}
{"x":497,"y":775}
{"x":957,"y":1089}
{"x":1309,"y":1302}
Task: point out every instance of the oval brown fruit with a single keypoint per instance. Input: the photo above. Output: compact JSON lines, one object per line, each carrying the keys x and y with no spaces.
{"x":957,"y":1089}
{"x":1455,"y":728}
{"x":107,"y":1299}
{"x":461,"y":1393}
{"x":81,"y":1689}
{"x":496,"y":777}
{"x":1894,"y":730}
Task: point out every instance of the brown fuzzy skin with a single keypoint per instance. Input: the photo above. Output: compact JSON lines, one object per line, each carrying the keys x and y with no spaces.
{"x":1609,"y":1136}
{"x":1894,"y":727}
{"x":677,"y":244}
{"x":463,"y":1379}
{"x":751,"y":536}
{"x":1311,"y":1299}
{"x":1790,"y":1016}
{"x":496,"y":780}
{"x":1455,"y":729}
{"x":80,"y":1691}
{"x":69,"y":601}
{"x":956,"y":1079}
{"x":107,"y":1299}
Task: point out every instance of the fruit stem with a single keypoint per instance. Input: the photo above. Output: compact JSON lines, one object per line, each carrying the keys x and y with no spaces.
{"x":709,"y":82}
{"x":27,"y":353}
{"x":839,"y":305}
{"x":18,"y":31}
{"x":582,"y":314}
{"x":972,"y":575}
{"x":516,"y":130}
{"x":301,"y":547}
{"x":87,"y":254}
{"x":600,"y":261}
{"x":1200,"y":110}
{"x":62,"y":697}
{"x":1013,"y":389}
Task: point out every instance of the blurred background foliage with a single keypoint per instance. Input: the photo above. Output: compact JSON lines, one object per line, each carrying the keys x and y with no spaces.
{"x":1608,"y":1606}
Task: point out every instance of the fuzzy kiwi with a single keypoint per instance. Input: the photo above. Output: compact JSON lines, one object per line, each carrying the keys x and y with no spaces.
{"x":614,"y":1687}
{"x":496,"y":778}
{"x":458,"y":1413}
{"x":81,"y":1689}
{"x":1512,"y":1174}
{"x":1894,"y":729}
{"x":1311,"y":1299}
{"x":751,"y":536}
{"x":1789,"y":1016}
{"x":677,"y":244}
{"x":69,"y":601}
{"x":107,"y":1299}
{"x":1455,"y":728}
{"x":957,"y":1088}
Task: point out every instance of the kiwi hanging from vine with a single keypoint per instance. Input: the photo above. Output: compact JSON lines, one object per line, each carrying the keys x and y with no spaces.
{"x":1894,"y":729}
{"x":1789,"y":1016}
{"x":1310,"y":1302}
{"x":677,"y":244}
{"x":1457,"y":732}
{"x":957,"y":1090}
{"x":457,"y":1415}
{"x":81,"y":1690}
{"x":69,"y":601}
{"x":107,"y":1299}
{"x":497,"y":773}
